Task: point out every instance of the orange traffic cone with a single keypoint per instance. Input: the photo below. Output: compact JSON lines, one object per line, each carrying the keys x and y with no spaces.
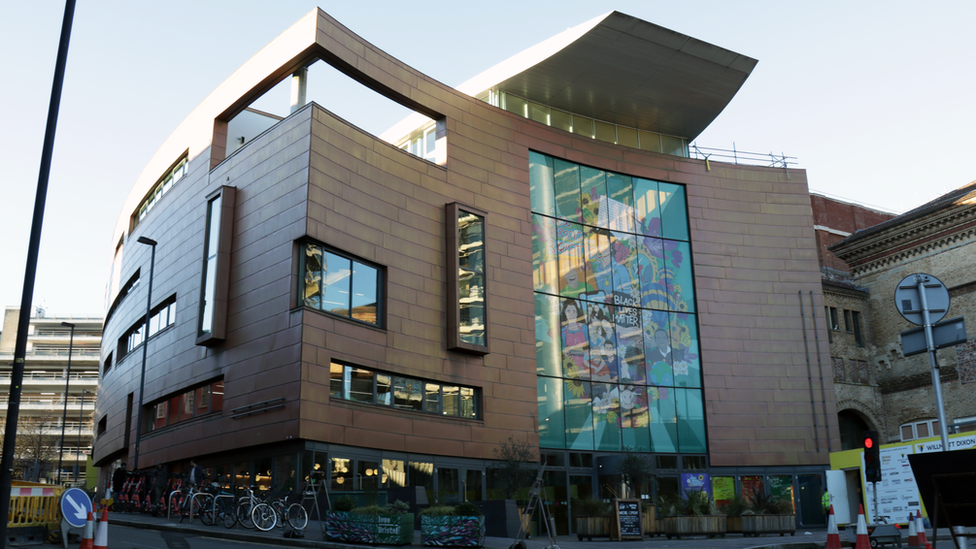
{"x":86,"y":536}
{"x":833,"y":536}
{"x":920,"y":528}
{"x":863,"y":541}
{"x":912,"y":534}
{"x":101,"y":537}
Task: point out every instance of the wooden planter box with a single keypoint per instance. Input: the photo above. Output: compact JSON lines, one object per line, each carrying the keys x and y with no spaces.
{"x":705,"y":525}
{"x":590,"y":527}
{"x":754,"y":525}
{"x":733,"y":525}
{"x":649,"y":521}
{"x":451,"y":531}
{"x":372,"y":529}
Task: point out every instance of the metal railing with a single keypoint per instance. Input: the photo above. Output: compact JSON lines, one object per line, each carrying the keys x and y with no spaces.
{"x":51,"y":376}
{"x":51,"y":400}
{"x":736,"y":156}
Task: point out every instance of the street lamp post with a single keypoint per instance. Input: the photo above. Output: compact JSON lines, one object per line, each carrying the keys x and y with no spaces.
{"x":81,"y":421}
{"x":145,"y":345}
{"x":67,"y":382}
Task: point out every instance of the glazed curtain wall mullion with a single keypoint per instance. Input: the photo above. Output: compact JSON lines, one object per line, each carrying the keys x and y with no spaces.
{"x":616,"y":332}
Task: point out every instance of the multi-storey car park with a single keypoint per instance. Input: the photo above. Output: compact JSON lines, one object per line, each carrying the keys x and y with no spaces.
{"x":534,"y":256}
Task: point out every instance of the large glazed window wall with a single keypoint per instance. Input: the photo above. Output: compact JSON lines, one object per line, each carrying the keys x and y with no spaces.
{"x":616,"y":335}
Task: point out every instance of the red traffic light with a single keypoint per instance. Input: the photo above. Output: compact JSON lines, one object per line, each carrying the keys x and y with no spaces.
{"x":868,"y":442}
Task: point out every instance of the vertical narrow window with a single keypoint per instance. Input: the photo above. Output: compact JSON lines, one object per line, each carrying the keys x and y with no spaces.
{"x":215,"y":279}
{"x":467,"y":312}
{"x":848,"y":325}
{"x":856,"y":318}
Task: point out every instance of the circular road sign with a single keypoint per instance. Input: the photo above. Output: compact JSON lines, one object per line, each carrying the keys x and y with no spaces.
{"x":908,"y":298}
{"x":75,"y":507}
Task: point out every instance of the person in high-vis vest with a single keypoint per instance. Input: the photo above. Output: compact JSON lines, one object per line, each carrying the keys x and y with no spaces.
{"x":826,"y":504}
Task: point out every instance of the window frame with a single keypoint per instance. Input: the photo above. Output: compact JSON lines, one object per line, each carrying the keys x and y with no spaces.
{"x":216,"y":256}
{"x":380,"y":289}
{"x":455,"y":340}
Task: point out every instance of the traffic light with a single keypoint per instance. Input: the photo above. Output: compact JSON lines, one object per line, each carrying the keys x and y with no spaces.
{"x":872,"y":457}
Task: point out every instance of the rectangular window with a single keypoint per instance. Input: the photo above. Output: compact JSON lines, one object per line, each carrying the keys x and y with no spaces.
{"x":848,"y":325}
{"x":215,"y":278}
{"x":184,"y":406}
{"x":833,"y":319}
{"x":161,"y":188}
{"x":365,"y":386}
{"x":341,"y":285}
{"x":856,"y":319}
{"x":467,"y":311}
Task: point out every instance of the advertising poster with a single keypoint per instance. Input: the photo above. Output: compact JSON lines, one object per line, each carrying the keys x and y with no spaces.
{"x":897,"y":493}
{"x":695,"y":482}
{"x":723,"y":489}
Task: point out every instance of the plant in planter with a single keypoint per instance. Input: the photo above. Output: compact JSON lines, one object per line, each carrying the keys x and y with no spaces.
{"x":636,"y":472}
{"x":736,"y":507}
{"x":374,"y":524}
{"x":772,"y":516}
{"x":693,"y":515}
{"x":462,"y":525}
{"x":592,"y":518}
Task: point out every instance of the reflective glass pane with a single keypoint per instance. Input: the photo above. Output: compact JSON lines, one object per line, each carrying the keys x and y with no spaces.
{"x":606,"y":416}
{"x":560,"y":119}
{"x":551,"y":425}
{"x":515,"y":104}
{"x":567,"y":190}
{"x":539,"y":113}
{"x":575,"y":341}
{"x":657,"y":349}
{"x":673,"y":145}
{"x":336,"y":386}
{"x":664,"y":430}
{"x":680,"y":280}
{"x":606,"y":132}
{"x":620,"y":209}
{"x":364,"y":293}
{"x":646,"y":207}
{"x":579,"y":413}
{"x":634,"y":418}
{"x":547,"y":340}
{"x":691,"y":421}
{"x":582,"y":125}
{"x":572,"y":260}
{"x":684,"y":341}
{"x":599,"y":253}
{"x":432,"y":398}
{"x":335,"y":294}
{"x":626,"y":283}
{"x":452,"y":403}
{"x":593,"y":189}
{"x":674,"y":211}
{"x":650,"y":141}
{"x":361,"y":386}
{"x":630,"y":344}
{"x":311,"y":293}
{"x":471,"y":241}
{"x":472,"y":307}
{"x":544,"y":270}
{"x":541,"y":183}
{"x":407,"y":393}
{"x":468,"y":403}
{"x":384,"y":390}
{"x":627,"y":137}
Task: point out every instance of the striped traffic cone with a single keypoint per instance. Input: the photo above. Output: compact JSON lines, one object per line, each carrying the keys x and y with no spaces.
{"x":863,"y":541}
{"x":86,"y":536}
{"x":912,"y":534}
{"x":833,"y":535}
{"x":920,"y":528}
{"x":101,"y":537}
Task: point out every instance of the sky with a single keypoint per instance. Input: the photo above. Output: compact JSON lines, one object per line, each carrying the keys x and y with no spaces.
{"x":873,"y":99}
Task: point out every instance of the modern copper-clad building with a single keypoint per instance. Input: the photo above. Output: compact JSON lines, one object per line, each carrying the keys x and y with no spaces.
{"x":534,"y":256}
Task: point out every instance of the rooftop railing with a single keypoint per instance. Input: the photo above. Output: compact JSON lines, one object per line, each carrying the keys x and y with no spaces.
{"x":736,"y":156}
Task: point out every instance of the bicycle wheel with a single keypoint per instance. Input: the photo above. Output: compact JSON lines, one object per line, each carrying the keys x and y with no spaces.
{"x":207,"y":511}
{"x":244,"y":515}
{"x":297,"y":516}
{"x":280,"y":512}
{"x":263,"y":517}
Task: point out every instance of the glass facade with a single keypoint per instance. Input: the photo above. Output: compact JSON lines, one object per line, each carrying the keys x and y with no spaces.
{"x":616,"y":331}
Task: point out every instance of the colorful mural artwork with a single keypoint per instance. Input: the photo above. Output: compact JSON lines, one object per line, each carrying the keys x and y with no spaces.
{"x":616,"y":331}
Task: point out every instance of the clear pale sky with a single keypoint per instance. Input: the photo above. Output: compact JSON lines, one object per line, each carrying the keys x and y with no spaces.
{"x":875,"y":99}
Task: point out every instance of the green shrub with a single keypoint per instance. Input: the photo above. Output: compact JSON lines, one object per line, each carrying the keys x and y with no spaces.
{"x":697,"y":503}
{"x":344,"y":504}
{"x":589,"y":507}
{"x":467,"y":509}
{"x":771,"y":505}
{"x":398,"y":507}
{"x":736,"y":507}
{"x":369,"y":510}
{"x":438,"y":511}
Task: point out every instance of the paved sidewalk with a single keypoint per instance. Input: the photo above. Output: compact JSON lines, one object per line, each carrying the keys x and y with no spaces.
{"x":803,"y":539}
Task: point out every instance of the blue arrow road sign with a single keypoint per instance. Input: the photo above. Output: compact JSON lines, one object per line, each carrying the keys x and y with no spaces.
{"x":75,"y":507}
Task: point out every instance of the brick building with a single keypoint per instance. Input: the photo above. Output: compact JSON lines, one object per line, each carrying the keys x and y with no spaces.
{"x":878,"y":387}
{"x":533,"y":257}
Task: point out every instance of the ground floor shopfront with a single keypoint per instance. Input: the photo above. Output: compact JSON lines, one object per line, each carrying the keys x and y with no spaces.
{"x":569,"y":477}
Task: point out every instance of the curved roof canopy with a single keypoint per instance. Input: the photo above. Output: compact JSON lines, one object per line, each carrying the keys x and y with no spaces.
{"x":624,"y":70}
